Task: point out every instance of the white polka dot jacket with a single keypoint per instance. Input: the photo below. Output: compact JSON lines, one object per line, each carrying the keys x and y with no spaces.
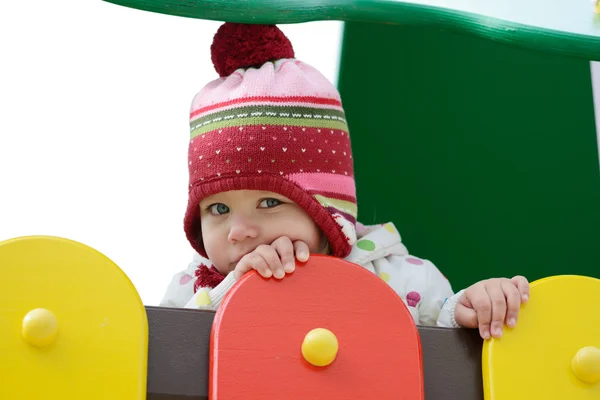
{"x":379,"y":248}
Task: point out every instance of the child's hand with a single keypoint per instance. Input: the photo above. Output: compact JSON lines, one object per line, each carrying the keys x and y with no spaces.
{"x":490,"y":303}
{"x":273,"y":260}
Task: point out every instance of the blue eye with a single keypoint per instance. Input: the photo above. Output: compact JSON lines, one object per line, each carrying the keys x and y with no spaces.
{"x":269,"y":203}
{"x":218,"y":209}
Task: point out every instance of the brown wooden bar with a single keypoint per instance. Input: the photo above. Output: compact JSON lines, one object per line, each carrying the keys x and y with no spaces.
{"x":178,"y":358}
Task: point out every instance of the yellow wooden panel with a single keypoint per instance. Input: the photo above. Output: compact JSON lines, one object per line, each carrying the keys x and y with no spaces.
{"x":534,"y":360}
{"x":86,"y":334}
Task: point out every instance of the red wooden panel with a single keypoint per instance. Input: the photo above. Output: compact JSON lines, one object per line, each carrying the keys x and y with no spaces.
{"x":259,"y":329}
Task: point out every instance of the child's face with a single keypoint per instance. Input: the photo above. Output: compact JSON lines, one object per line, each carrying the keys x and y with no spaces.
{"x":235,"y":223}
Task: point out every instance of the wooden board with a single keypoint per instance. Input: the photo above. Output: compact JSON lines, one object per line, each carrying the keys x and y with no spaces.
{"x":568,"y":27}
{"x":178,"y":357}
{"x":259,"y":329}
{"x":533,"y":360}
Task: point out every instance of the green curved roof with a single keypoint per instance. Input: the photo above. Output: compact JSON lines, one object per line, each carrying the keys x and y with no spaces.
{"x":570,"y":27}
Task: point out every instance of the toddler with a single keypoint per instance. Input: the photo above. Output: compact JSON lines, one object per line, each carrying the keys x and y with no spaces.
{"x":271,"y":181}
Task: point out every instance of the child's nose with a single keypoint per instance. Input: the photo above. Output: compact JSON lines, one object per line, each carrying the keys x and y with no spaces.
{"x":242,"y":228}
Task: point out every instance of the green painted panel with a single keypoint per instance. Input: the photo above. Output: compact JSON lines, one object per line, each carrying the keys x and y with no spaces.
{"x":564,"y":26}
{"x":483,"y":154}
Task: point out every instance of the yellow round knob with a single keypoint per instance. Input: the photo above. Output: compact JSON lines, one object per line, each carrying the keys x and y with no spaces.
{"x":40,"y":327}
{"x":320,"y":346}
{"x":586,"y":364}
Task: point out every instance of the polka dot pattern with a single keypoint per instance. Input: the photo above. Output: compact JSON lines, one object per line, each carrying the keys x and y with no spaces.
{"x":284,"y":150}
{"x":202,"y":299}
{"x":185,"y":279}
{"x":414,"y":261}
{"x":390,"y":228}
{"x":385,"y":276}
{"x":413,"y":298}
{"x":366,"y":245}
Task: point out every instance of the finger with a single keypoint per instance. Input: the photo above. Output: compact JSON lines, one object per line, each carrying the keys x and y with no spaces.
{"x":284,"y":247}
{"x":513,"y":302}
{"x":498,"y":301}
{"x":301,"y":250}
{"x":482,"y":305}
{"x":269,"y":254}
{"x":253,"y":261}
{"x":523,"y":285}
{"x":464,"y":314}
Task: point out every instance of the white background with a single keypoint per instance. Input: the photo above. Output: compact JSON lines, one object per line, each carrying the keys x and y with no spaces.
{"x":94,"y":105}
{"x":94,"y":102}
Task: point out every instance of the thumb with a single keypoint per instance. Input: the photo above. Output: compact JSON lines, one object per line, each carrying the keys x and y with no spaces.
{"x":465,"y":316}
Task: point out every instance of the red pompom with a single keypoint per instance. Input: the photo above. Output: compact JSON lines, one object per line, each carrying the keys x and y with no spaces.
{"x":207,"y":277}
{"x":244,"y":46}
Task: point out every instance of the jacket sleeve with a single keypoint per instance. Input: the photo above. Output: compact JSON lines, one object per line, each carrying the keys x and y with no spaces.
{"x":408,"y":275}
{"x":180,"y":291}
{"x":439,"y":301}
{"x":446,"y":317}
{"x":210,"y":299}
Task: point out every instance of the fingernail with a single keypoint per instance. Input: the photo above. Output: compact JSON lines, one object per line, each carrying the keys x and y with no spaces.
{"x":268,"y":273}
{"x":525,"y":297}
{"x":512,"y":322}
{"x":485,"y":334}
{"x":303,"y":256}
{"x":498,"y":332}
{"x":289,"y":267}
{"x":279,"y":273}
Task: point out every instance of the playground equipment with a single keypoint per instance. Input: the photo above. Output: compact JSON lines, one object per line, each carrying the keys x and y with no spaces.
{"x":72,"y":326}
{"x":544,"y":357}
{"x":489,"y":106}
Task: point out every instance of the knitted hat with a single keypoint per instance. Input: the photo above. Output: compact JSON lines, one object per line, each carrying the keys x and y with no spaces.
{"x":273,"y":123}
